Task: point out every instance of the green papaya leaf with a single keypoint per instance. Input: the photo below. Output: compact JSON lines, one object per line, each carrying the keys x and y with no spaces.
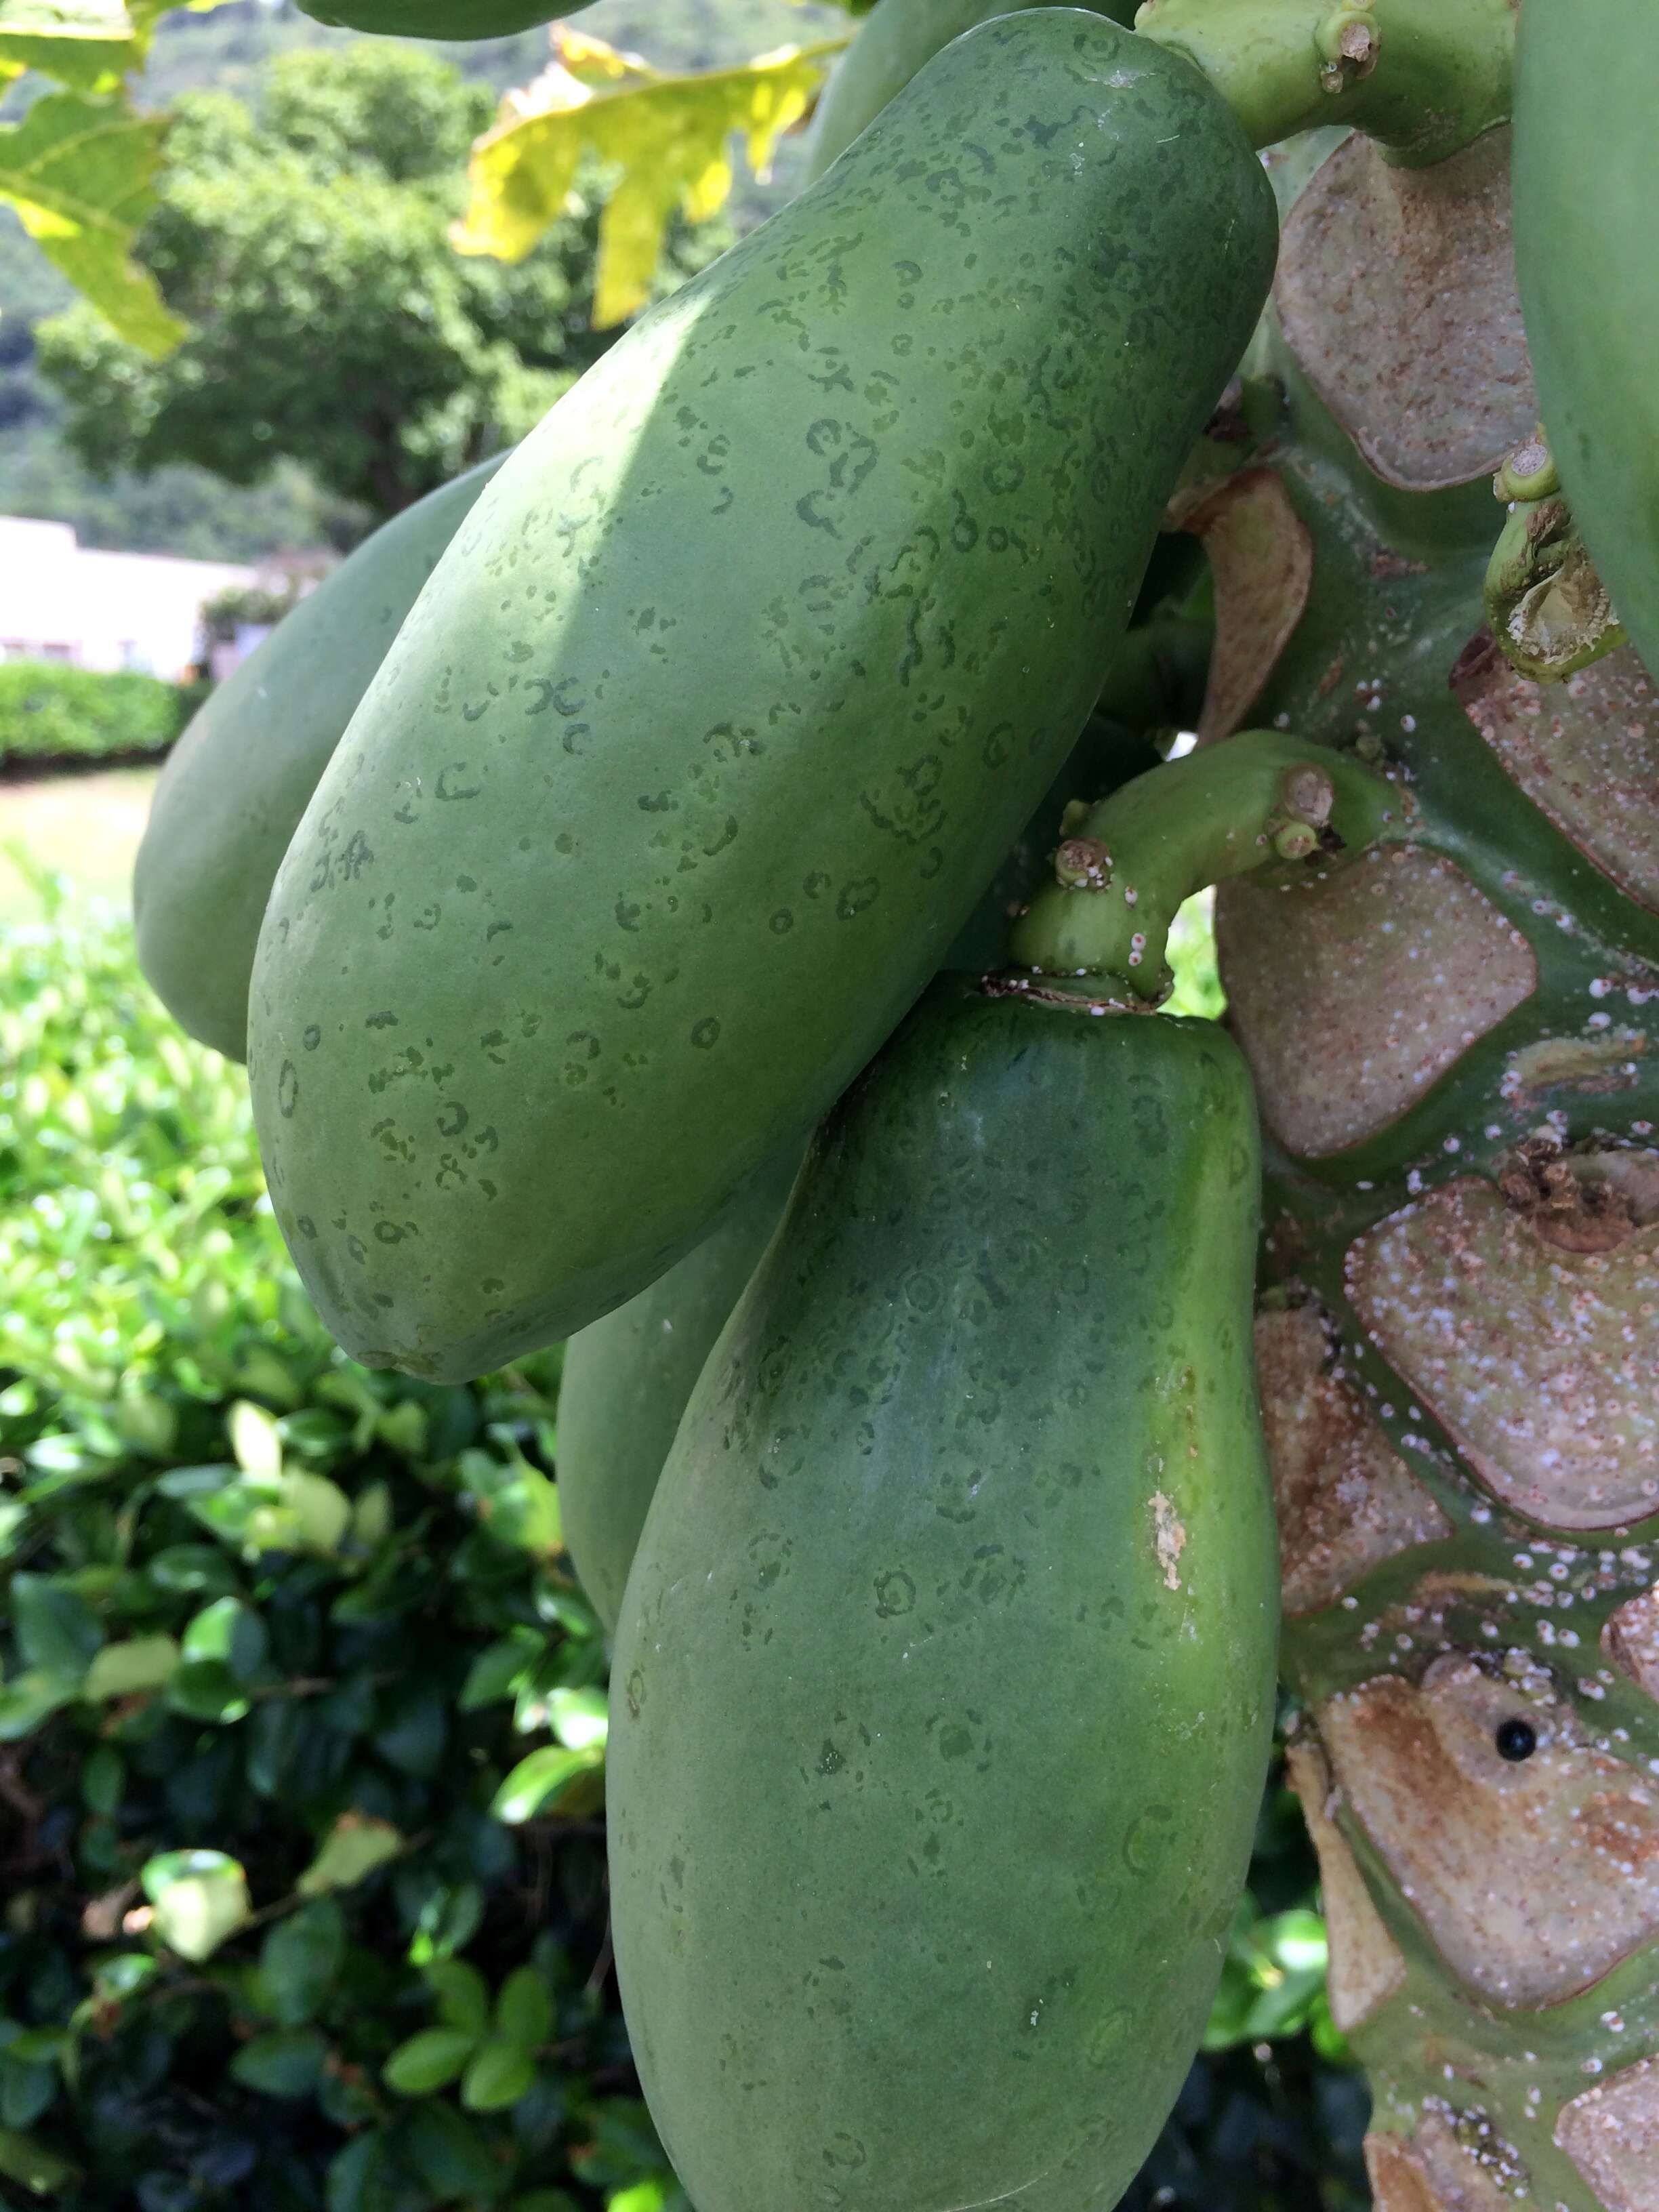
{"x":538,"y":1782}
{"x":354,"y":1847}
{"x":121,"y":1670}
{"x":78,"y":172}
{"x":524,"y":2010}
{"x":428,"y":2061}
{"x":500,"y":2074}
{"x":199,"y":1898}
{"x":463,"y":1995}
{"x":286,"y":2062}
{"x":669,"y":136}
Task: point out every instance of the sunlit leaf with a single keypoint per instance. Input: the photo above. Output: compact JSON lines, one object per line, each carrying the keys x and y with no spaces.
{"x":88,"y":45}
{"x":79,"y":174}
{"x":83,"y":43}
{"x":670,"y":137}
{"x":140,"y":1662}
{"x":428,"y":2061}
{"x":354,"y":1847}
{"x":538,"y":1783}
{"x":500,"y":2074}
{"x":199,"y":1898}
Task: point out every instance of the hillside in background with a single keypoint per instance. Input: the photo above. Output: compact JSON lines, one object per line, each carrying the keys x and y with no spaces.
{"x":184,"y":510}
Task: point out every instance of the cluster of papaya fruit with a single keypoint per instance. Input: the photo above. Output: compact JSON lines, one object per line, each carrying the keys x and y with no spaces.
{"x":663,"y":890}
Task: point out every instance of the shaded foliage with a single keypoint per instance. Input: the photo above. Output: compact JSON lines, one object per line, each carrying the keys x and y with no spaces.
{"x":51,"y":713}
{"x":304,"y":242}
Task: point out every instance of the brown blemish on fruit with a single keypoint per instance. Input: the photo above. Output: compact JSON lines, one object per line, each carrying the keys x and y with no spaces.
{"x":1396,"y":292}
{"x":1353,"y":993}
{"x":1586,"y":752}
{"x":1537,"y":1358}
{"x":1532,"y":1874}
{"x":1261,"y":556}
{"x":1366,"y":1965}
{"x":1611,"y":2136}
{"x":1346,"y":1501}
{"x":1169,"y":1538}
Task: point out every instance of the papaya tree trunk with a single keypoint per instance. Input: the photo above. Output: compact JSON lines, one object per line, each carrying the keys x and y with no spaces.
{"x":1456,"y":1043}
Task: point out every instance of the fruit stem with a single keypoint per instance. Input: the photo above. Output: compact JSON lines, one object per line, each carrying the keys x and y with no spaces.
{"x":1548,"y":608}
{"x":1423,"y":77}
{"x":1262,"y":803}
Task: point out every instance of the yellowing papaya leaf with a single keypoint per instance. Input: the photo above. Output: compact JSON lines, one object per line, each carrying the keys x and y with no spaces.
{"x":79,"y":174}
{"x":667,"y":135}
{"x":84,"y":43}
{"x":88,"y":45}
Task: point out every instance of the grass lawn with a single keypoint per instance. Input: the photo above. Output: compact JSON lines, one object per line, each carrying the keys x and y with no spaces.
{"x":86,"y":828}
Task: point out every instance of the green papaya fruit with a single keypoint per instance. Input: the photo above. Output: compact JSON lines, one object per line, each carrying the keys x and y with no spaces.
{"x":625,"y":1382}
{"x":235,"y":785}
{"x":726,"y":700}
{"x":943,"y":1690}
{"x":1586,"y":185}
{"x":893,"y":42}
{"x":440,"y":19}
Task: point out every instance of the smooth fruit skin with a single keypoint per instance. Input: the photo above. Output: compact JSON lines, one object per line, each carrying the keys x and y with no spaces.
{"x":235,"y":785}
{"x":726,"y":700}
{"x":892,"y":43}
{"x":1586,"y":180}
{"x":944,"y":1686}
{"x":625,"y":1383}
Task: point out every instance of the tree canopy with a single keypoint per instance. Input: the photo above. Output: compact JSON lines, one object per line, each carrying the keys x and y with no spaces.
{"x":304,"y":240}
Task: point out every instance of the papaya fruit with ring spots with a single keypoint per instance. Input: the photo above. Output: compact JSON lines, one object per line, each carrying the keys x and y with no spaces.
{"x":235,"y":785}
{"x":625,"y":1382}
{"x":726,"y":700}
{"x":943,"y":1690}
{"x":892,"y":44}
{"x":440,"y":19}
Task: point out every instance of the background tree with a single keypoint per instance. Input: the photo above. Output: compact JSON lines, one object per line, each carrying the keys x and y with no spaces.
{"x":304,"y":240}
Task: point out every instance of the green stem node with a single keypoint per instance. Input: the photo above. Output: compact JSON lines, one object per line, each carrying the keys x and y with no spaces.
{"x":1263,"y":803}
{"x":1423,"y":77}
{"x":1548,"y":608}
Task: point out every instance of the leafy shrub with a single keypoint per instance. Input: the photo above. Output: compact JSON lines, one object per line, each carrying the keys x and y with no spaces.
{"x":301,"y":1722}
{"x":49,"y":711}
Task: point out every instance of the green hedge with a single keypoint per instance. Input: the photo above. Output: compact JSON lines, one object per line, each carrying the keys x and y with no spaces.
{"x":301,"y":1722}
{"x":49,"y":711}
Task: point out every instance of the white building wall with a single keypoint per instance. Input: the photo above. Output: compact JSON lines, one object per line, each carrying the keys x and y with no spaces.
{"x":61,"y":601}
